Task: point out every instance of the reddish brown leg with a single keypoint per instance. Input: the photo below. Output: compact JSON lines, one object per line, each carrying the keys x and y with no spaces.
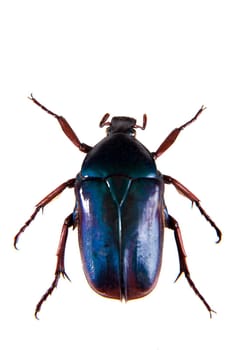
{"x":60,"y":267}
{"x":173,"y":135}
{"x":173,"y":225}
{"x":65,"y":127}
{"x":42,"y":204}
{"x":188,"y":194}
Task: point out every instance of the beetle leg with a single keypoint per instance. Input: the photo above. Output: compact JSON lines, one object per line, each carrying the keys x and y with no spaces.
{"x":42,"y":204}
{"x":170,"y":139}
{"x":65,"y":127}
{"x":173,"y":225}
{"x":188,"y":194}
{"x":60,"y":267}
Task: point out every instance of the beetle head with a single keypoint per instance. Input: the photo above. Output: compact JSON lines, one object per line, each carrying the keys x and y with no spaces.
{"x":123,"y":125}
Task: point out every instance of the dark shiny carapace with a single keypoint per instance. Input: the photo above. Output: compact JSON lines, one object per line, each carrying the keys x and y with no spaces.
{"x":120,"y":212}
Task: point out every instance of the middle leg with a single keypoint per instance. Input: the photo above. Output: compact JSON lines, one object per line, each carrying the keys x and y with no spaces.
{"x":188,"y":194}
{"x":40,"y":206}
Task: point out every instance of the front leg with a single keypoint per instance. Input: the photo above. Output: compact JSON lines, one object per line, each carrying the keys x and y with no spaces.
{"x":170,"y":139}
{"x":65,"y":127}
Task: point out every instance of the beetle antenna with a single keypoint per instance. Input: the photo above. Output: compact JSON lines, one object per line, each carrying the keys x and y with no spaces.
{"x":103,"y":121}
{"x":143,"y":126}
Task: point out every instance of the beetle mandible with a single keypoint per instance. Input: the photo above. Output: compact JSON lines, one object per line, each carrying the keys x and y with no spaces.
{"x":120,"y":212}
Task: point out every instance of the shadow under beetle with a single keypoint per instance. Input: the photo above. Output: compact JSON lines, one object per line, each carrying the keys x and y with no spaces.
{"x":120,"y":212}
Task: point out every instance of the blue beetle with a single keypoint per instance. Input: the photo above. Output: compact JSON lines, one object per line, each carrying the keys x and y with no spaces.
{"x":120,"y":212}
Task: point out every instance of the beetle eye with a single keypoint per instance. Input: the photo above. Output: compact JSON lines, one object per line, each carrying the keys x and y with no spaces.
{"x":108,"y":131}
{"x":132,"y":132}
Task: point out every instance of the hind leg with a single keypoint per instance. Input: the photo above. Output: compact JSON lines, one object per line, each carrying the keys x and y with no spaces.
{"x":60,"y":267}
{"x":173,"y":225}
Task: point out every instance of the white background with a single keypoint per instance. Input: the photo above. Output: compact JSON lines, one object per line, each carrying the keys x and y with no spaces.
{"x":83,"y":59}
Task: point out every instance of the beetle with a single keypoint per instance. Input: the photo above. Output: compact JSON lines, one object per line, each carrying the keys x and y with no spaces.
{"x":120,"y":212}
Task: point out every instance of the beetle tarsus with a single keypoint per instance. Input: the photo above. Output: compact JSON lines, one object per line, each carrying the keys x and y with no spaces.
{"x":193,"y":119}
{"x":208,"y":218}
{"x":188,"y":194}
{"x":173,"y":225}
{"x":42,"y":204}
{"x":45,"y":296}
{"x":50,"y":290}
{"x":27,"y":223}
{"x":60,"y":267}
